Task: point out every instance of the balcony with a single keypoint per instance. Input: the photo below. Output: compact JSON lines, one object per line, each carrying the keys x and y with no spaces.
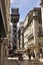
{"x":30,"y":35}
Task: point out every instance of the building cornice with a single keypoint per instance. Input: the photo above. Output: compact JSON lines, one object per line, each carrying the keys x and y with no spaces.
{"x":41,"y":3}
{"x":31,"y":16}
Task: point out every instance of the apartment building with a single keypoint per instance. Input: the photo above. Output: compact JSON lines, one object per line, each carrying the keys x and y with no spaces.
{"x":14,"y":20}
{"x":33,"y":38}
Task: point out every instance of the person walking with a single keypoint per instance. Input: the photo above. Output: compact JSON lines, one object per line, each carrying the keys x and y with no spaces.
{"x":29,"y":55}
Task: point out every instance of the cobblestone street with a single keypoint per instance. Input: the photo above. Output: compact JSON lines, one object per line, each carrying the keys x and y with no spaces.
{"x":23,"y":62}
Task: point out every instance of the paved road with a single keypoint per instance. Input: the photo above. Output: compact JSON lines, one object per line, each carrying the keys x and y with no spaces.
{"x":19,"y":62}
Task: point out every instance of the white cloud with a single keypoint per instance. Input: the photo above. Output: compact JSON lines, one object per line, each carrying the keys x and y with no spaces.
{"x":14,"y":4}
{"x":12,"y":1}
{"x":38,"y":3}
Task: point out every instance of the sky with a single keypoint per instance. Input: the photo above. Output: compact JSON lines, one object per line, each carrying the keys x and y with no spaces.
{"x":24,"y":6}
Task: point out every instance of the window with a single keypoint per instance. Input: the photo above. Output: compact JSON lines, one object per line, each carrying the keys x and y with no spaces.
{"x":14,"y":31}
{"x":40,"y":50}
{"x":14,"y":10}
{"x":39,"y":13}
{"x":12,"y":20}
{"x":15,"y":35}
{"x":40,"y":29}
{"x":40,"y":21}
{"x":14,"y":26}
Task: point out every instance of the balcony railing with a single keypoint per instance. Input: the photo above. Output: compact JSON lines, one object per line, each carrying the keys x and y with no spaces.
{"x":29,"y":35}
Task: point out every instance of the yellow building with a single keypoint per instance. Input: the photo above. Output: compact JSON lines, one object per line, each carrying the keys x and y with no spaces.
{"x":33,"y":38}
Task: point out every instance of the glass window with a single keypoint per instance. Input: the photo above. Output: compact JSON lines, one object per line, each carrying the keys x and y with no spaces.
{"x":39,"y":13}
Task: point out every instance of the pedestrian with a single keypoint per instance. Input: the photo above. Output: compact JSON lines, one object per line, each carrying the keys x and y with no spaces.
{"x":29,"y":55}
{"x":33,"y":55}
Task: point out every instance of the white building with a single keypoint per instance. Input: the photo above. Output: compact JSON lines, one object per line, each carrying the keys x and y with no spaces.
{"x":33,"y":38}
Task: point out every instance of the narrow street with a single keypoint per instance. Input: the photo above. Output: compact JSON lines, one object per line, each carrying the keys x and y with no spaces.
{"x":21,"y":32}
{"x":21,"y":62}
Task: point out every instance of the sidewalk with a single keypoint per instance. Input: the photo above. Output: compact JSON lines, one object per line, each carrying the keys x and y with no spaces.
{"x":16,"y":58}
{"x":13,"y":58}
{"x":41,"y":60}
{"x":25,"y":58}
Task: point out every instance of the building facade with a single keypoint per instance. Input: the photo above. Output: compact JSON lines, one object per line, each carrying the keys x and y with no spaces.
{"x":21,"y":35}
{"x":4,"y":27}
{"x":42,"y":13}
{"x":11,"y":33}
{"x":14,"y":20}
{"x":33,"y":38}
